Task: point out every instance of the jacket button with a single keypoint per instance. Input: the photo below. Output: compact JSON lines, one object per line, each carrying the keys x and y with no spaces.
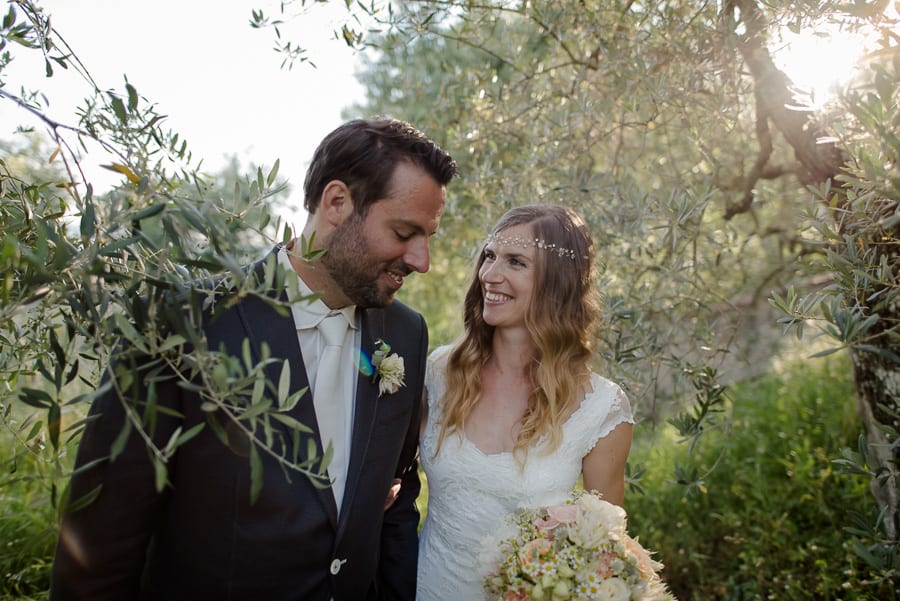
{"x":336,"y":566}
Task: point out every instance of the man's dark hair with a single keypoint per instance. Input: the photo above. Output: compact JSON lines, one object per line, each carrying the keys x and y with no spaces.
{"x":363,"y":154}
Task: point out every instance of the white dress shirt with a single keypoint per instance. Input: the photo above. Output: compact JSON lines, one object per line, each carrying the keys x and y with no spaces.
{"x":307,"y":316}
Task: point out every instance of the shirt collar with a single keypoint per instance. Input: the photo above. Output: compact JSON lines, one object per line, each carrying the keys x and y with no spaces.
{"x":307,"y":314}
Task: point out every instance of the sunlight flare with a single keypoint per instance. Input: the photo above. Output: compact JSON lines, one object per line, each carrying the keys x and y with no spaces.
{"x":820,"y":60}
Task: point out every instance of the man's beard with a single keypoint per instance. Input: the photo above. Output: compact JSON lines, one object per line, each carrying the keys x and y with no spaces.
{"x":349,"y":262}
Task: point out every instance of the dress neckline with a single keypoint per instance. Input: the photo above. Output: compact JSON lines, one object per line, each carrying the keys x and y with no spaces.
{"x":471,"y":443}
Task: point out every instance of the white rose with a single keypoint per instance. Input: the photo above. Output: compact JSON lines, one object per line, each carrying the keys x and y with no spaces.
{"x":391,"y":372}
{"x":599,"y":519}
{"x":606,"y":512}
{"x":613,"y":589}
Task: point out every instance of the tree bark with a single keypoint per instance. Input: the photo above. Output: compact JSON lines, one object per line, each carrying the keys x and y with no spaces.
{"x":876,"y":373}
{"x":878,"y":385}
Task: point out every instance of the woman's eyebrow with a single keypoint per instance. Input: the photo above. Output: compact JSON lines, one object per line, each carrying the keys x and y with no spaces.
{"x":511,"y":254}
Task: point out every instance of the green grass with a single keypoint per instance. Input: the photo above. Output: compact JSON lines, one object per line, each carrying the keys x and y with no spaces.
{"x":27,"y":533}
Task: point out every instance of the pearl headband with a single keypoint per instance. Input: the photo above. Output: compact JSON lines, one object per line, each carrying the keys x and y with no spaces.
{"x":524,"y":242}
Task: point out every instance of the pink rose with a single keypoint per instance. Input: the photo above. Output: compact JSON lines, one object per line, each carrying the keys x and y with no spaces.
{"x":556,"y":515}
{"x":565,"y":514}
{"x":546,"y":525}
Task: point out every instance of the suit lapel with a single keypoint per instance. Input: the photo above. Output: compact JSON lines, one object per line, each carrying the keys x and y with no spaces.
{"x":275,"y":330}
{"x":372,"y":329}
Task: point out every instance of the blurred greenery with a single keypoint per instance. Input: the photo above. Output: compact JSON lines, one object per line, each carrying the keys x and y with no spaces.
{"x":770,"y":519}
{"x":724,"y":217}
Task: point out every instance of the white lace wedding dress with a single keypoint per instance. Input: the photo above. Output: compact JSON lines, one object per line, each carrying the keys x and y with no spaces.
{"x":469,"y":492}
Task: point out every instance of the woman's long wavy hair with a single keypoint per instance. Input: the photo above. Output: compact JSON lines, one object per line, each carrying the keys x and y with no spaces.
{"x":560,"y":318}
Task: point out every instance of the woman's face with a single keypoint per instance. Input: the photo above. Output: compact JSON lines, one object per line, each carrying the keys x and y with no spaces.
{"x":507,"y":277}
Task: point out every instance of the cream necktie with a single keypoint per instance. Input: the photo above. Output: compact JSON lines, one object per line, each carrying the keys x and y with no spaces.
{"x":329,"y":402}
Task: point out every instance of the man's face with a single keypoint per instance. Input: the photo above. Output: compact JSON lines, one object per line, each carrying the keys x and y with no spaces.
{"x":369,"y":257}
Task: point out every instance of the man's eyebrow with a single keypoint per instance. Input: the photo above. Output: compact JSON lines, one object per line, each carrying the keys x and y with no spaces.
{"x":415,"y":227}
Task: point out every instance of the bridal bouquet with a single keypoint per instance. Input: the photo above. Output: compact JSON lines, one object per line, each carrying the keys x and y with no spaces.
{"x":572,"y":552}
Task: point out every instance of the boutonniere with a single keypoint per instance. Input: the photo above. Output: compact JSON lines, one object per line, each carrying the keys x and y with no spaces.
{"x":389,"y":369}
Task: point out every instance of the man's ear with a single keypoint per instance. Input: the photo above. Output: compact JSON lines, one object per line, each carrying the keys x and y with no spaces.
{"x":337,"y":203}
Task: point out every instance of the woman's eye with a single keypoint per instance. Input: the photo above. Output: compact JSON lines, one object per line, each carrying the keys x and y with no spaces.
{"x":489,"y":255}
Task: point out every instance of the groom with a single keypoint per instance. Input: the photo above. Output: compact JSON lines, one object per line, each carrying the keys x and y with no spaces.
{"x":374,"y":191}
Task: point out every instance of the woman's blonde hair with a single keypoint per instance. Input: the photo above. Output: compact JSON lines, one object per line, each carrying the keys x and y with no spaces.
{"x":560,"y":318}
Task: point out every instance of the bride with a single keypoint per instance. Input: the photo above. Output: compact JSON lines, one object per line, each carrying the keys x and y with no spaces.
{"x":515,"y":414}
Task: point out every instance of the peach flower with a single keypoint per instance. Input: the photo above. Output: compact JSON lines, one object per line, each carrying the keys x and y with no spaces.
{"x":519,"y":595}
{"x":532,"y":550}
{"x":646,"y":564}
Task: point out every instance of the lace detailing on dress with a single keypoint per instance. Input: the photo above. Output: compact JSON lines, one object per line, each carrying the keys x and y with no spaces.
{"x":470,"y":491}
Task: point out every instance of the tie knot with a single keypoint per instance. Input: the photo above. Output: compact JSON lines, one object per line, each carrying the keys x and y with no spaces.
{"x":333,"y":328}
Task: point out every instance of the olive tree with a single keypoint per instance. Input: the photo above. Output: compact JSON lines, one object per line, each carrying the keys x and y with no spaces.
{"x":104,"y":290}
{"x":721,"y":200}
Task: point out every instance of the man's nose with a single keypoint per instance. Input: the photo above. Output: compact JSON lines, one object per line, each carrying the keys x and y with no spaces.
{"x":418,"y":255}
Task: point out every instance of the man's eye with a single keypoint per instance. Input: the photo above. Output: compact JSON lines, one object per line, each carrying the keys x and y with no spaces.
{"x":402,"y":237}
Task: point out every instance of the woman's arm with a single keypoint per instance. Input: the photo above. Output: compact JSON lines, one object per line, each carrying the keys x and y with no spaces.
{"x":604,"y":467}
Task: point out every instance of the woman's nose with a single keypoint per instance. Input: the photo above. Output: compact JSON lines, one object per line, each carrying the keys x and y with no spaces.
{"x":491,"y":273}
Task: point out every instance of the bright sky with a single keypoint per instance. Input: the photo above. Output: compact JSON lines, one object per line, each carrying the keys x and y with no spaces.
{"x":222,"y":86}
{"x":219,"y":81}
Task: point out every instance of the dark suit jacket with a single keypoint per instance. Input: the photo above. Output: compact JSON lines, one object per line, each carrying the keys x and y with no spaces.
{"x":202,"y":538}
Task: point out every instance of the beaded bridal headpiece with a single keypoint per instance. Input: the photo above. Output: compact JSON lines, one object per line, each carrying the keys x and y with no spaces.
{"x":523,"y":242}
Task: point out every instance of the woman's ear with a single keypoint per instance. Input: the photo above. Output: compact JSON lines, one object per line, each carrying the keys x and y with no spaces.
{"x":337,"y":203}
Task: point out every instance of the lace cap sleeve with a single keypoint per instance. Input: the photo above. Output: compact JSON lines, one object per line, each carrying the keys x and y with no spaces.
{"x":600,"y":412}
{"x":434,"y":376}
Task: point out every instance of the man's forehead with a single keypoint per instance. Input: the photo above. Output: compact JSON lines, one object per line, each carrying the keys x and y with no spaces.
{"x":422,"y":216}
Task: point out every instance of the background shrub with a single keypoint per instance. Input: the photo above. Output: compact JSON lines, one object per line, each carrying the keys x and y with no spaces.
{"x":767,"y":520}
